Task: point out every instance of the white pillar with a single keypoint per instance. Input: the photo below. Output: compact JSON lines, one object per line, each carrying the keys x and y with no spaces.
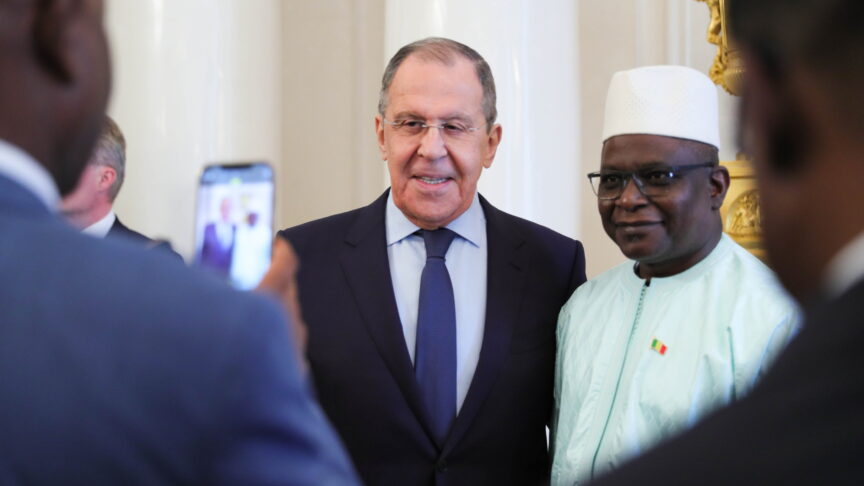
{"x":532,"y":49}
{"x":195,"y":81}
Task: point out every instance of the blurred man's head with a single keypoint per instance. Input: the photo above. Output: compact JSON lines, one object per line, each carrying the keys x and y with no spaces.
{"x":100,"y":183}
{"x":436,"y":128}
{"x":225,"y":208}
{"x":55,"y":82}
{"x":660,"y":188}
{"x":803,"y":124}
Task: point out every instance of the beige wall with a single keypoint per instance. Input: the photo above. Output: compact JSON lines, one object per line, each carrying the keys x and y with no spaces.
{"x":195,"y":82}
{"x":334,"y":56}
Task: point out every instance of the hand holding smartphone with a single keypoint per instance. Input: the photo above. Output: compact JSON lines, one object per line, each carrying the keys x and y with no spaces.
{"x":234,"y":222}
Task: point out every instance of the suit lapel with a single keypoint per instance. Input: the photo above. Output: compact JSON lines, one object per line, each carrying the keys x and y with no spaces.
{"x":506,"y":275}
{"x":367,"y":270}
{"x":118,"y":228}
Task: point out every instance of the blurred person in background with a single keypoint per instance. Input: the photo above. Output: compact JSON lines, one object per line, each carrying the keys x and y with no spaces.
{"x":90,"y":207}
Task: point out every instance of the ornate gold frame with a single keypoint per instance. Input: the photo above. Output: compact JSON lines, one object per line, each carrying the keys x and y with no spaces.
{"x":727,"y":69}
{"x":742,"y":219}
{"x":740,"y":212}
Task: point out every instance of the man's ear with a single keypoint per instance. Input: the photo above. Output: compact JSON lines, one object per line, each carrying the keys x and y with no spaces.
{"x":51,"y":34}
{"x":379,"y":134}
{"x":107,"y":176}
{"x":492,"y":142}
{"x":719,"y":184}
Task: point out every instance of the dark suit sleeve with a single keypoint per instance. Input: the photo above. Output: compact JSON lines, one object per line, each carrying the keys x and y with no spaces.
{"x":577,"y":273}
{"x":274,"y":432}
{"x":577,"y":278}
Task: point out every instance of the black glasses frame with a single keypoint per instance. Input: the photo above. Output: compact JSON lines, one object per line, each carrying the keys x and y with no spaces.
{"x":646,"y":179}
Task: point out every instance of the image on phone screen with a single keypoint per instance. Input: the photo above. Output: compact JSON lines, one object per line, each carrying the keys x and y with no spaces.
{"x":234,"y":222}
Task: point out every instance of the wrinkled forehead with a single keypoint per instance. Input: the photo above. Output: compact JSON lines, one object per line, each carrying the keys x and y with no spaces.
{"x":431,"y":87}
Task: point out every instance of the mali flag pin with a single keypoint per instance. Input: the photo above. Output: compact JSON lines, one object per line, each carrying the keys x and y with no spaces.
{"x":658,"y":346}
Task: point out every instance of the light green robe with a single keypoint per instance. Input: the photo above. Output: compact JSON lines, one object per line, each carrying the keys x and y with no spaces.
{"x":722,"y":322}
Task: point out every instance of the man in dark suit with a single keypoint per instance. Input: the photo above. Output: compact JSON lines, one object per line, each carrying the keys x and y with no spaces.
{"x":217,"y":247}
{"x":120,"y":230}
{"x":802,"y":122}
{"x":118,"y":366}
{"x":90,"y":207}
{"x":435,"y":360}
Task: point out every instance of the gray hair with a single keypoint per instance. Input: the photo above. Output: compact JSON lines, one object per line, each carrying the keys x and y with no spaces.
{"x":442,"y":50}
{"x":110,"y":151}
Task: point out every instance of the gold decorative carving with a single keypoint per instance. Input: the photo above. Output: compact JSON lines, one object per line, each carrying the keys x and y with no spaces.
{"x":740,"y":212}
{"x":743,"y":218}
{"x":728,"y":68}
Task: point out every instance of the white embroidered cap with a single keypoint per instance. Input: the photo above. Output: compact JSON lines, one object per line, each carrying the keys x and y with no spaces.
{"x":674,"y":101}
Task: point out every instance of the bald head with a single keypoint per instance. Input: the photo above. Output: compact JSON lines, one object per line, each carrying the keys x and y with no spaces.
{"x":55,"y":82}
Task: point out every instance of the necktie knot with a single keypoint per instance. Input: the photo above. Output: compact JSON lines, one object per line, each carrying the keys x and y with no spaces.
{"x":437,"y":242}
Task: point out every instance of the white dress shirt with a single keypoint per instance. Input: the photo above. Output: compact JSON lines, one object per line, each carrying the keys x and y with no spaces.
{"x":100,"y":228}
{"x":466,"y":263}
{"x":19,"y":166}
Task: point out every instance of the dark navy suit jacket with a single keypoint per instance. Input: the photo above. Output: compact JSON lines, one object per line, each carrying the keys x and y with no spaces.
{"x":120,"y":230}
{"x":118,"y":366}
{"x":214,"y":256}
{"x":364,"y":375}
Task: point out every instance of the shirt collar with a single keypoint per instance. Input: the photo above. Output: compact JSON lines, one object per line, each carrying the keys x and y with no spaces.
{"x":19,"y":166}
{"x":100,"y":228}
{"x":845,"y":269}
{"x":470,"y":225}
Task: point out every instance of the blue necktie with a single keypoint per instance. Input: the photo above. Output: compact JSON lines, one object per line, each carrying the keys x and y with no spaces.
{"x":435,"y":357}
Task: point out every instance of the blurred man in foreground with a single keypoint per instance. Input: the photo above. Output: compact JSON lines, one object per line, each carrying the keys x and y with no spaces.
{"x":118,"y":366}
{"x":693,"y":320}
{"x":90,"y":207}
{"x":803,"y":124}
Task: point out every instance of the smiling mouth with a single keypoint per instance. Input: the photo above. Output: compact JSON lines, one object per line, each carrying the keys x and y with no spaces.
{"x":433,"y":180}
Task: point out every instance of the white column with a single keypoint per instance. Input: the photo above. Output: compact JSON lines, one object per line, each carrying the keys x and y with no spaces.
{"x":195,"y":81}
{"x":532,"y":49}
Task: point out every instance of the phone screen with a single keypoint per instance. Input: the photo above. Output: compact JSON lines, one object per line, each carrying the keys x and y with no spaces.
{"x":234,"y":222}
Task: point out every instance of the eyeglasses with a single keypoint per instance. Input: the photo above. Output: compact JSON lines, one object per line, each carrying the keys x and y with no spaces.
{"x":651,"y":181}
{"x":453,"y":130}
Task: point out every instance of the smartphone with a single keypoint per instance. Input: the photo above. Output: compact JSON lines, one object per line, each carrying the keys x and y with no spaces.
{"x":234,"y":222}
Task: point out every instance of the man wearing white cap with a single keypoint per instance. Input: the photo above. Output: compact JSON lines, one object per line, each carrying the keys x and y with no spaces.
{"x":649,"y":347}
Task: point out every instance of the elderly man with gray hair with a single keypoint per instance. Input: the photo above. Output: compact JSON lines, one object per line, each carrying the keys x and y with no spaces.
{"x":431,"y":313}
{"x":90,"y":207}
